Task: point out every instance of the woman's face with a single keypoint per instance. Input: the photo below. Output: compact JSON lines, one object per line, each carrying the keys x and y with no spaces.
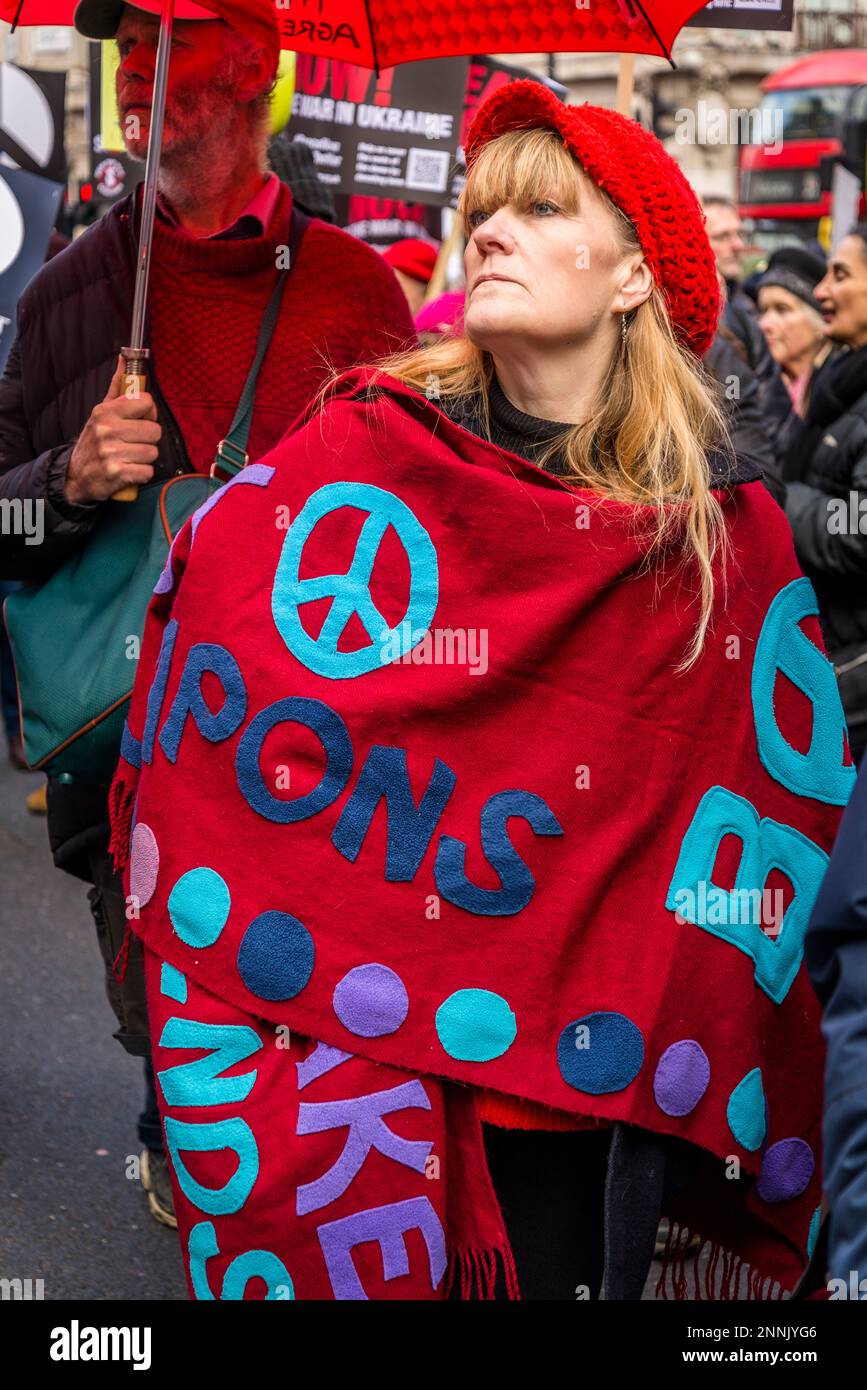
{"x":793,"y":335}
{"x":842,"y":294}
{"x":538,"y":276}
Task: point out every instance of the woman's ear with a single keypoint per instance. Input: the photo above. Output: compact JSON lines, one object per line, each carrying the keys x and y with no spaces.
{"x":637,"y":287}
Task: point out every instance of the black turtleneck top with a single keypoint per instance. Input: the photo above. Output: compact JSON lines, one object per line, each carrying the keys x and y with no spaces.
{"x":527,"y":435}
{"x":524,"y":435}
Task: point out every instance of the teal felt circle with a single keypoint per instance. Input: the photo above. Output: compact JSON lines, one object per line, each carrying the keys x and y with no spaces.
{"x":199,"y":906}
{"x":745,"y":1111}
{"x":475,"y":1025}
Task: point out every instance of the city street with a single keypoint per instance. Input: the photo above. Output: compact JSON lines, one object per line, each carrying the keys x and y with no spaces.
{"x":69,"y":1094}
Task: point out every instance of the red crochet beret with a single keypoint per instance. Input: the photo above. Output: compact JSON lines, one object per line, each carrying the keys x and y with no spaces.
{"x":632,"y":167}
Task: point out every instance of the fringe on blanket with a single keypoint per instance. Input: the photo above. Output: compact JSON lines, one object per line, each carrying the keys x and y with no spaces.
{"x":121,"y":802}
{"x":721,"y":1284}
{"x":478,"y":1273}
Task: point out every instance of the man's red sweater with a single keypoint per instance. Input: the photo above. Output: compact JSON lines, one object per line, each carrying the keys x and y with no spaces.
{"x":342,"y":306}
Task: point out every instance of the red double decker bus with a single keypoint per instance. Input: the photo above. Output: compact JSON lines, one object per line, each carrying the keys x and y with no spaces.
{"x":805,"y":111}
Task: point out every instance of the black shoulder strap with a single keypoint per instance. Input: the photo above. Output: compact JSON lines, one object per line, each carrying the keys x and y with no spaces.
{"x":300,"y":223}
{"x":231,"y":454}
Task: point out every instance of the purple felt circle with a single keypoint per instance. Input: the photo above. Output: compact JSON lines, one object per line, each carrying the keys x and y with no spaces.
{"x":144,"y":863}
{"x":682,"y":1076}
{"x":787,"y":1168}
{"x":371,"y":1001}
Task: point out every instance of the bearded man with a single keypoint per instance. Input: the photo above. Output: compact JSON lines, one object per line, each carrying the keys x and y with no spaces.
{"x":71,"y":438}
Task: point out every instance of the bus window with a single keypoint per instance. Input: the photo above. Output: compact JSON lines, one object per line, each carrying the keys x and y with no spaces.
{"x":858,"y":109}
{"x":808,"y":113}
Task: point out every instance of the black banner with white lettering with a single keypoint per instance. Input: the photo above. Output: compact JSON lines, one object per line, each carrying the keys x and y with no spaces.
{"x":383,"y":221}
{"x":395,"y":136}
{"x":364,"y":208}
{"x":746,"y":14}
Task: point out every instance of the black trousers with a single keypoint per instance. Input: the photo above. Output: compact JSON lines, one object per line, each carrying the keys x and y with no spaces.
{"x":127,"y":998}
{"x":551,"y":1190}
{"x":582,"y":1208}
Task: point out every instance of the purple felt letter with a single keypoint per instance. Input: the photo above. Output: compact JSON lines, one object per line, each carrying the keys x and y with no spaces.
{"x":367,"y":1130}
{"x":319,"y":1063}
{"x":387,"y":1225}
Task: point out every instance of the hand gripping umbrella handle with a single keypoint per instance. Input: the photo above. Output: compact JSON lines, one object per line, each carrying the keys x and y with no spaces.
{"x":134,"y":382}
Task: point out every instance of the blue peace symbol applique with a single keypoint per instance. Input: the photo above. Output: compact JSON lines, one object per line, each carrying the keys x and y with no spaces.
{"x":350,"y":592}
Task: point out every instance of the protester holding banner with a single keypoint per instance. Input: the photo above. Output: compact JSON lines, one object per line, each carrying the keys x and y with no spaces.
{"x":479,"y":1037}
{"x":70,"y":438}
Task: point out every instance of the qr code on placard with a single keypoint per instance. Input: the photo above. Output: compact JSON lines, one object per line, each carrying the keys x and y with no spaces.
{"x":427,"y":169}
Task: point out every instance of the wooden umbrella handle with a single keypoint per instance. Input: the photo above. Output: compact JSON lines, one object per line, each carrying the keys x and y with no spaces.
{"x":133,"y":385}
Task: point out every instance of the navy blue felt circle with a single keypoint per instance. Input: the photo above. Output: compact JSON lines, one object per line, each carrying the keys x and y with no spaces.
{"x":275,"y":958}
{"x":600,"y":1052}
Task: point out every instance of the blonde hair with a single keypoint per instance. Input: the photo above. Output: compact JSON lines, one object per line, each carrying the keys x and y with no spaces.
{"x":658,"y":414}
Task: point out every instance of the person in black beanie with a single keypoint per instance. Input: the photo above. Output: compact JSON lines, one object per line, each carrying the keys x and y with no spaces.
{"x":791,"y":319}
{"x":293,"y":163}
{"x":826,"y":480}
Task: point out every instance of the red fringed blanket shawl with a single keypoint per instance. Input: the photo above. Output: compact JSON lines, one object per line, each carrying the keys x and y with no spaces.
{"x":415,"y":777}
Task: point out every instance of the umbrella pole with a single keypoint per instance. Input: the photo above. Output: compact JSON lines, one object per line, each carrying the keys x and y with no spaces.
{"x":625,"y":83}
{"x":135,"y":380}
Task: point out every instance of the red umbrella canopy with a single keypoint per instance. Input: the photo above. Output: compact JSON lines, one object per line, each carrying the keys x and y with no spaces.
{"x":382,"y":33}
{"x":385,"y":32}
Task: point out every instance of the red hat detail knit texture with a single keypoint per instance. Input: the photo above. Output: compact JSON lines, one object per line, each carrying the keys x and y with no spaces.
{"x":638,"y":174}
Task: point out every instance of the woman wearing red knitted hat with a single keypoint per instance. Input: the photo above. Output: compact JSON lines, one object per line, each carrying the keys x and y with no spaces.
{"x":536,"y":938}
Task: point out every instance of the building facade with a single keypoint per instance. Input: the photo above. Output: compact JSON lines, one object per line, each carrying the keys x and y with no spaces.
{"x":722,"y":68}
